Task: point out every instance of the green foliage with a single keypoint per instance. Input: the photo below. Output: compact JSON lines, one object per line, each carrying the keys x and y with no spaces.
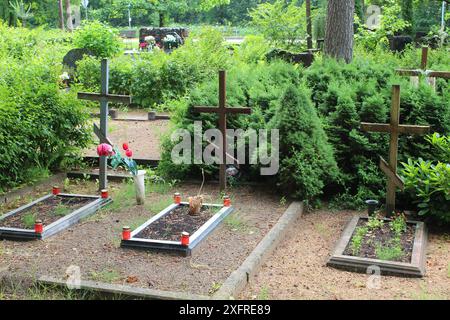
{"x":390,"y":24}
{"x":155,"y":78}
{"x":40,"y":124}
{"x":29,"y":220}
{"x":346,"y":95}
{"x":357,"y":239}
{"x":306,"y":158}
{"x":398,"y":225}
{"x":393,"y":252}
{"x":101,"y":39}
{"x":429,"y":181}
{"x":281,"y":22}
{"x":374,"y":223}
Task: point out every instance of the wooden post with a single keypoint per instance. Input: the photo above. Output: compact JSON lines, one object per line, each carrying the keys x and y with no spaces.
{"x":223,"y":127}
{"x":430,"y":74}
{"x":61,"y":14}
{"x":102,"y":133}
{"x":104,"y":121}
{"x":394,"y":128}
{"x":309,"y":25}
{"x":393,"y":147}
{"x":424,"y":62}
{"x":222,"y":111}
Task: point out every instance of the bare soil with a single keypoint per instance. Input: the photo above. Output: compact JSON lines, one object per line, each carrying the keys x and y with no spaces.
{"x":144,"y":137}
{"x":48,"y":211}
{"x":383,"y":237}
{"x":297,"y":269}
{"x":170,"y":226}
{"x":94,"y":243}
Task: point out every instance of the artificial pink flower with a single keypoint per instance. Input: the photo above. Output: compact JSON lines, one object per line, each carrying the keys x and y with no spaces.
{"x":129,"y":153}
{"x":104,"y":150}
{"x":125,"y":146}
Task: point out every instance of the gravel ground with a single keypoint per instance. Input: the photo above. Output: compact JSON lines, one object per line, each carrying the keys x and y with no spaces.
{"x":297,"y":269}
{"x":93,"y":245}
{"x":143,"y":137}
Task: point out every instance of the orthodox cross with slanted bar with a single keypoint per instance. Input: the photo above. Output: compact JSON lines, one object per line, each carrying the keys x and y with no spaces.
{"x":104,"y":98}
{"x":423,"y":71}
{"x":394,"y":129}
{"x":222,"y":111}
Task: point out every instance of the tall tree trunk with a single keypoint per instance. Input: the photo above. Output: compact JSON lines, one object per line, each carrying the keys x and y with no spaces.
{"x":61,"y":14}
{"x":339,"y":31}
{"x":161,"y":19}
{"x":69,"y":15}
{"x":309,"y":24}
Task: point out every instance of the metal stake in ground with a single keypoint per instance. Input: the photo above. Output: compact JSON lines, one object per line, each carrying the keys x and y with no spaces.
{"x":222,"y":111}
{"x":394,"y":129}
{"x":430,"y":74}
{"x":104,"y":98}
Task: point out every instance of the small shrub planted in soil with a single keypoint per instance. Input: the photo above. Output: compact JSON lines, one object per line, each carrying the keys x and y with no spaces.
{"x":390,"y":240}
{"x":170,"y":226}
{"x":49,"y":211}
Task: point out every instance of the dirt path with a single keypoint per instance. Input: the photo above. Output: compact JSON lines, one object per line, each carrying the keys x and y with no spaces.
{"x":93,"y":245}
{"x":144,"y":137}
{"x":297,"y":269}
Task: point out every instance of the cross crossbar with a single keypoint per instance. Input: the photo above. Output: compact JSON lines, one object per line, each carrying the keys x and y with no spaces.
{"x":402,"y":128}
{"x":104,"y":97}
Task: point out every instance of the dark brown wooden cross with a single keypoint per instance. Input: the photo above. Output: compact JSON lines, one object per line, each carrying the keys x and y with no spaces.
{"x":104,"y":98}
{"x":423,"y":71}
{"x":394,"y":129}
{"x":222,"y":111}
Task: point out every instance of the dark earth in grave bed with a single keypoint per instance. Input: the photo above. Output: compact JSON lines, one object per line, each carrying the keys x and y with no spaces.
{"x":383,"y":236}
{"x":48,"y":211}
{"x":170,"y":226}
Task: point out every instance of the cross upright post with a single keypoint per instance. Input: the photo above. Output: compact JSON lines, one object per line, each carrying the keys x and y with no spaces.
{"x":222,"y":111}
{"x":431,"y":75}
{"x":394,"y":128}
{"x":102,"y":133}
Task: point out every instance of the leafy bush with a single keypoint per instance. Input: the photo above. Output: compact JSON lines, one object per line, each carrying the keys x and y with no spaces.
{"x":102,"y":40}
{"x":282,"y":23}
{"x":346,"y":95}
{"x":429,"y":181}
{"x":156,"y":78}
{"x":41,"y":126}
{"x":306,"y":158}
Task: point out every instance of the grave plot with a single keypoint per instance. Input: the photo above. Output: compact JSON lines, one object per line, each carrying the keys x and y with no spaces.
{"x":393,"y":246}
{"x":49,"y":215}
{"x":175,"y":230}
{"x":369,"y":244}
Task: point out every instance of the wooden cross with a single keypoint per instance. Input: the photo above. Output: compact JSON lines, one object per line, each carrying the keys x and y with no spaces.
{"x":222,"y":111}
{"x":395,"y":129}
{"x":430,"y":74}
{"x":104,"y":98}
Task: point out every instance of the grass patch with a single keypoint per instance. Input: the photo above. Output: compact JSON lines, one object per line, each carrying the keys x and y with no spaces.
{"x":61,"y":210}
{"x":389,"y":253}
{"x":235,"y":223}
{"x":29,"y":220}
{"x":263,"y":294}
{"x":214,"y":288}
{"x":157,"y":206}
{"x":107,"y":275}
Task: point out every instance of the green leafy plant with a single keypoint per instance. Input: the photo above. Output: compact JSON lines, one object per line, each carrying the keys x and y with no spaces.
{"x":429,"y":181}
{"x":398,"y":225}
{"x":375,"y":223}
{"x":61,"y":210}
{"x":389,"y":252}
{"x":281,"y":22}
{"x":29,"y":220}
{"x":357,"y":239}
{"x":102,"y":40}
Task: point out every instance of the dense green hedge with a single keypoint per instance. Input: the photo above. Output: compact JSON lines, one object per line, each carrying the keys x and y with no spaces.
{"x":41,"y":125}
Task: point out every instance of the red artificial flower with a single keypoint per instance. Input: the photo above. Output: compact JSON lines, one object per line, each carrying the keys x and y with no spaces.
{"x":129,"y":153}
{"x":125,"y":146}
